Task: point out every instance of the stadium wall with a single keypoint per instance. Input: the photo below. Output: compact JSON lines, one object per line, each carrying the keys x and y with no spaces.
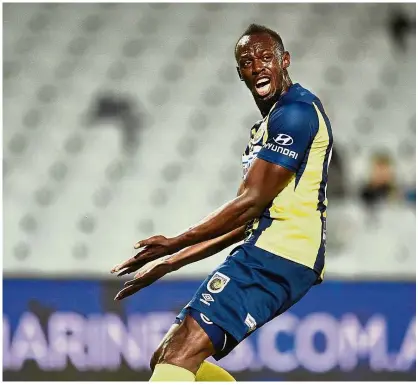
{"x":73,"y":330}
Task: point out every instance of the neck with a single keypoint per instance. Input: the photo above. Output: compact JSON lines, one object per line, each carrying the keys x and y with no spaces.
{"x":265,"y":105}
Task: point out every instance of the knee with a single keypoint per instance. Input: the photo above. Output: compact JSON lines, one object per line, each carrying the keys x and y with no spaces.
{"x":155,"y":359}
{"x":187,"y":347}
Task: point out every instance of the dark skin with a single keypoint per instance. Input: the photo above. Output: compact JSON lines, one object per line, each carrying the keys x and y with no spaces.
{"x":187,"y":345}
{"x":259,"y":56}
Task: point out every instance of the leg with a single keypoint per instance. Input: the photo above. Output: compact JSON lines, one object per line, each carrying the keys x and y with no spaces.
{"x":158,"y":351}
{"x":229,"y":306}
{"x":206,"y":372}
{"x":210,"y":372}
{"x":185,"y":346}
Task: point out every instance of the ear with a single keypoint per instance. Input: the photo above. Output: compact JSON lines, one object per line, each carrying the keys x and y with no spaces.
{"x":285,"y":60}
{"x":239,"y":74}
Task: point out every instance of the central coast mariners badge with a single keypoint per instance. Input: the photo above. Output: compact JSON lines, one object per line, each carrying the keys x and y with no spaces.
{"x":217,"y":283}
{"x":260,"y":133}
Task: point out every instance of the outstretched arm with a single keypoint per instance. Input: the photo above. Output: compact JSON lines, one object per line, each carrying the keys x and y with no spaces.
{"x":206,"y":249}
{"x":263,"y":183}
{"x":189,"y":255}
{"x":154,"y":270}
{"x":290,"y":133}
{"x":272,"y":170}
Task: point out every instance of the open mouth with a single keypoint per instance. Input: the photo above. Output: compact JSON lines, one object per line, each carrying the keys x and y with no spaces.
{"x":263,"y":86}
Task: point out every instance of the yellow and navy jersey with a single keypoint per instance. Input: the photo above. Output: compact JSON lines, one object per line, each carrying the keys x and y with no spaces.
{"x":296,"y":134}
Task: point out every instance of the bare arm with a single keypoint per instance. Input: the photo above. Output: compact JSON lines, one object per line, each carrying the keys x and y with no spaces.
{"x":226,"y":226}
{"x":206,"y":249}
{"x":156,"y":269}
{"x":263,"y":183}
{"x":190,"y":254}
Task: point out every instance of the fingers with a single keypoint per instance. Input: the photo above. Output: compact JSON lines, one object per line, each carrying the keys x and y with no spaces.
{"x":152,"y":249}
{"x":134,"y":281}
{"x":138,"y":245}
{"x":127,"y":291}
{"x":143,"y":243}
{"x":155,"y":240}
{"x":130,"y":270}
{"x":123,"y":265}
{"x":131,"y":262}
{"x":139,"y":260}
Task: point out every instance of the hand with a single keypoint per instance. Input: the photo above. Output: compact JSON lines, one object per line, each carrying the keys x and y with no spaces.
{"x":147,"y":275}
{"x":154,"y":248}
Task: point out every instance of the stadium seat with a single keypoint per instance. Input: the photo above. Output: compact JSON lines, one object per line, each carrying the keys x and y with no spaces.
{"x":76,"y":201}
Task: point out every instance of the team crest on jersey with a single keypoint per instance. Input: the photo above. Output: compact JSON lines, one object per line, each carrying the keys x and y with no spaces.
{"x":217,"y":283}
{"x":259,"y":134}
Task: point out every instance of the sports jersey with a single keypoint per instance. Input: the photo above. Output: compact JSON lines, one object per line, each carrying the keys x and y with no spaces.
{"x":296,"y":134}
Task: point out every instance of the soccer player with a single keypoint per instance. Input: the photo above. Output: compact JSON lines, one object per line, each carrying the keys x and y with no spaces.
{"x":279,"y":212}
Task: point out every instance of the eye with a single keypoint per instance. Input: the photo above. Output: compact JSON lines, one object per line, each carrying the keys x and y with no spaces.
{"x":267,"y":57}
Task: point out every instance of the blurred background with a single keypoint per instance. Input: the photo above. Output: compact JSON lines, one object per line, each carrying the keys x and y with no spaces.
{"x":123,"y":121}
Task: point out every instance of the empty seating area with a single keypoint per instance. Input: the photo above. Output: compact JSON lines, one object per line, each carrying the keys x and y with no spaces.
{"x":75,"y":200}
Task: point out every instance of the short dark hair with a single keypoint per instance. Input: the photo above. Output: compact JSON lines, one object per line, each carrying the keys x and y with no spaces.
{"x":256,"y":29}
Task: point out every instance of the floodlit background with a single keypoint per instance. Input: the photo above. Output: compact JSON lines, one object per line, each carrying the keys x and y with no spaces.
{"x":123,"y":121}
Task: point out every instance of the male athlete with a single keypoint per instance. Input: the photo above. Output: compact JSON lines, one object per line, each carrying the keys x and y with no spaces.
{"x":280,"y":212}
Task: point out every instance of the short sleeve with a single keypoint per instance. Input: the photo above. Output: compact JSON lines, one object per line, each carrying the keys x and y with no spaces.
{"x":290,"y":132}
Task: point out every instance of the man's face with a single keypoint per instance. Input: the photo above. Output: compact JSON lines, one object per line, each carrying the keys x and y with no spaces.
{"x":260,"y":65}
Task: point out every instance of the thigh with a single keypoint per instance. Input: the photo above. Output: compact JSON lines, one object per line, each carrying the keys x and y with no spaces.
{"x":158,"y":351}
{"x":249,"y":289}
{"x":185,"y":345}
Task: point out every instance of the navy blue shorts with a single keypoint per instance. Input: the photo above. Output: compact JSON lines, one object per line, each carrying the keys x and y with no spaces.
{"x":248,"y":290}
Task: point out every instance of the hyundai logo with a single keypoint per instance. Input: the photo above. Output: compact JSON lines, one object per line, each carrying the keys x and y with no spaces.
{"x":284,"y":140}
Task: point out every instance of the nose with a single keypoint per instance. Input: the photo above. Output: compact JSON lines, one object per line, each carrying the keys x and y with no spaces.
{"x":257,"y":66}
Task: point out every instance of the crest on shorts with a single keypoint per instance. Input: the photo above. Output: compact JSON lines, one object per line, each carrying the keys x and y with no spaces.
{"x":217,"y":283}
